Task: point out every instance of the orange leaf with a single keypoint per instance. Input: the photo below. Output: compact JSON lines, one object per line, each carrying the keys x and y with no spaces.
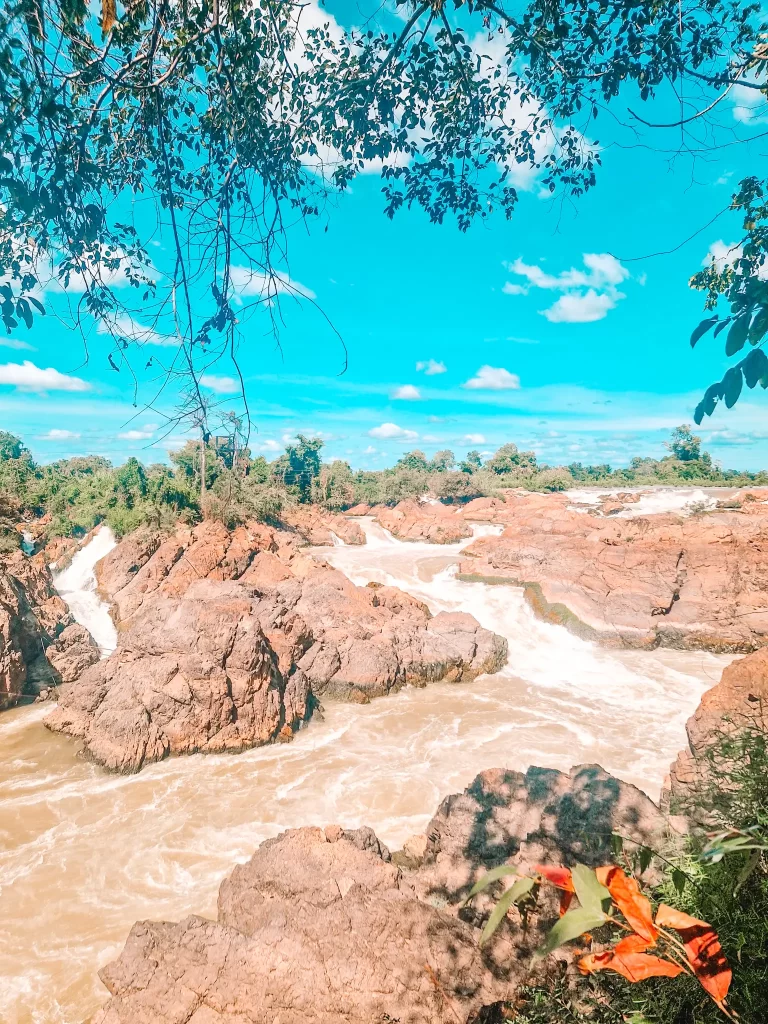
{"x":632,"y":966}
{"x":703,"y":949}
{"x":560,"y":877}
{"x":631,"y":944}
{"x":635,"y":907}
{"x":565,"y":901}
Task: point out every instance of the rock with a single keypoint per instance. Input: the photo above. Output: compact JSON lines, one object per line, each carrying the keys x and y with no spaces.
{"x":31,"y":616}
{"x":193,"y":675}
{"x":322,"y":926}
{"x":436,"y":523}
{"x":72,"y":652}
{"x":738,"y":701}
{"x":318,"y":527}
{"x":358,"y":510}
{"x":313,"y":930}
{"x":693,"y":583}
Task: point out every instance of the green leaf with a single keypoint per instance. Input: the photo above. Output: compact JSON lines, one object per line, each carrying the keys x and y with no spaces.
{"x":759,"y":326}
{"x":737,"y":334}
{"x":645,"y":858}
{"x":755,"y":366}
{"x":732,"y":383}
{"x":521,"y":888}
{"x":721,"y":326}
{"x":570,"y":926}
{"x":749,"y":866}
{"x":617,"y":844}
{"x":679,"y":878}
{"x":702,"y":329}
{"x":493,"y":876}
{"x":590,"y":892}
{"x":707,"y":405}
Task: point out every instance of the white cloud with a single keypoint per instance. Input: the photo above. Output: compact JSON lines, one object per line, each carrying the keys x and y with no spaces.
{"x":589,"y":294}
{"x":131,"y":330}
{"x":473,"y":439}
{"x":247,"y":283}
{"x":727,"y":253}
{"x":19,"y":346}
{"x":59,"y":435}
{"x":28,"y":377}
{"x":370,"y":450}
{"x":221,"y":385}
{"x":430,"y":367}
{"x":581,"y":309}
{"x":269,"y":445}
{"x":407,"y":393}
{"x":391,"y":431}
{"x":493,"y":378}
{"x":136,"y":435}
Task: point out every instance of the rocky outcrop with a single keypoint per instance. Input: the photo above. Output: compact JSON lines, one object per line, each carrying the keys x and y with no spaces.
{"x":738,"y":702}
{"x":319,"y":528}
{"x":322,"y":926}
{"x":34,"y":621}
{"x":226,"y":639}
{"x":434,"y":523}
{"x":694,"y":582}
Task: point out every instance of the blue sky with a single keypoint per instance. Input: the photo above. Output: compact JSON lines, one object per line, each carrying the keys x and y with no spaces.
{"x":545,"y":330}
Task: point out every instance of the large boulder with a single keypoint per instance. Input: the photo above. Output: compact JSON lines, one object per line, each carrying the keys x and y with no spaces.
{"x":189,"y":675}
{"x":738,"y":702}
{"x":434,"y":523}
{"x":176,"y":683}
{"x":32,"y":616}
{"x":321,"y":926}
{"x":313,"y":930}
{"x":699,"y":581}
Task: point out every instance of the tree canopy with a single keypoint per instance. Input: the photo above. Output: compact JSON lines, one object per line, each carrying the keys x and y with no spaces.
{"x":232,"y":120}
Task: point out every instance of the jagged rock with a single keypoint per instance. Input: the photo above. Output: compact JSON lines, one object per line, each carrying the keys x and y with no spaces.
{"x":322,"y":926}
{"x":436,"y":523}
{"x":738,"y":701}
{"x":197,"y":674}
{"x":31,"y":616}
{"x":694,"y":582}
{"x":72,"y":652}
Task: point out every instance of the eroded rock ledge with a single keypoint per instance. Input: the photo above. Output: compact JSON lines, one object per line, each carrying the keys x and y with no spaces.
{"x":228,"y":639}
{"x":322,"y":925}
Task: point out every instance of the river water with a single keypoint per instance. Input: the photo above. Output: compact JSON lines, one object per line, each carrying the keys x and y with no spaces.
{"x":84,"y":854}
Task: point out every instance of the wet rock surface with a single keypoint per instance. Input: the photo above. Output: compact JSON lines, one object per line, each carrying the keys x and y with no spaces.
{"x":321,"y":925}
{"x":699,"y":581}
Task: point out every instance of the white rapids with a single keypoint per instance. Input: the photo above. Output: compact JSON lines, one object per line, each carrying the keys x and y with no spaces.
{"x":84,"y":854}
{"x":77,"y":586}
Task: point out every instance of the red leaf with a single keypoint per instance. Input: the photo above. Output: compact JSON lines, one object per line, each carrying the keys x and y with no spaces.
{"x":626,"y":894}
{"x":565,"y":901}
{"x":560,"y":877}
{"x":631,"y":944}
{"x":632,"y":966}
{"x":703,"y":949}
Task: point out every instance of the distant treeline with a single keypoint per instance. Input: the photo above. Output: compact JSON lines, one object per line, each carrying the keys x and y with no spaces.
{"x":77,"y":494}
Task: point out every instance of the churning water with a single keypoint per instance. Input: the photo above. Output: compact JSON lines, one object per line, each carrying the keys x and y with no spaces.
{"x":84,"y":854}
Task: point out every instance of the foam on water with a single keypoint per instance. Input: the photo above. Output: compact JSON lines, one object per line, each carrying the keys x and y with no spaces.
{"x":84,"y":854}
{"x":77,"y":586}
{"x":681,"y":500}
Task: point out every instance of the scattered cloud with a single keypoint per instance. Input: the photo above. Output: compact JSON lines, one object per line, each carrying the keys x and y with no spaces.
{"x":391,"y":432}
{"x":247,"y":283}
{"x":473,"y":439}
{"x":270,"y":445}
{"x":734,"y":437}
{"x":589,"y":294}
{"x":725,"y":254}
{"x":521,"y":341}
{"x":221,"y":385}
{"x":28,"y":377}
{"x":19,"y":346}
{"x":370,"y":450}
{"x":59,"y":435}
{"x":581,"y":309}
{"x":493,"y":378}
{"x":407,"y":393}
{"x":431,"y":367}
{"x":136,"y":435}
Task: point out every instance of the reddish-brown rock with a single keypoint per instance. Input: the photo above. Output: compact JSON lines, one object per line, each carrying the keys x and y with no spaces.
{"x":181,"y":603}
{"x":320,"y":926}
{"x":695,"y":582}
{"x":739,"y":701}
{"x":434,"y":523}
{"x":32,"y":615}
